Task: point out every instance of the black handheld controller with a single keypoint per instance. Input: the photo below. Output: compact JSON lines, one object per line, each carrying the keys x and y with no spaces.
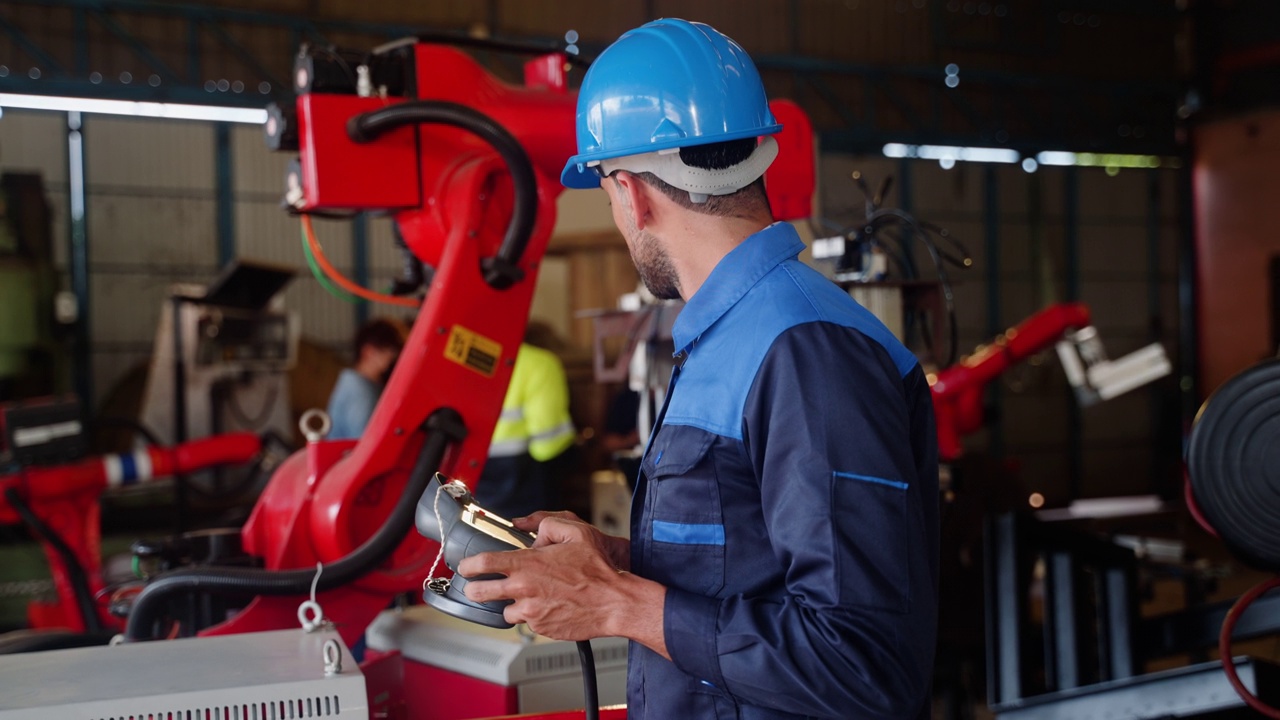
{"x":448,"y":514}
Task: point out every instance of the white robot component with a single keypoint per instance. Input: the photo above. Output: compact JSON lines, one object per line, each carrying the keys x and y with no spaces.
{"x":1094,"y":377}
{"x":271,"y":676}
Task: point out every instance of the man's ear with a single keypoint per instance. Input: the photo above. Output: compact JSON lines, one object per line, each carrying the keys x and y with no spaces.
{"x":638,"y":195}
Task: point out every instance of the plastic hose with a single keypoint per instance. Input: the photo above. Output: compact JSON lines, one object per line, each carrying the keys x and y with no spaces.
{"x":75,"y":571}
{"x":500,"y":271}
{"x":319,"y":274}
{"x":444,"y":426}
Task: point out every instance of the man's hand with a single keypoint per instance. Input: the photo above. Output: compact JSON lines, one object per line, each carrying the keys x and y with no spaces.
{"x":617,"y":549}
{"x":568,"y":587}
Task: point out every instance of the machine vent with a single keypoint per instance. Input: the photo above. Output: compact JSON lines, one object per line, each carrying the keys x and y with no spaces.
{"x":294,"y":709}
{"x":569,"y":660}
{"x":550,"y":663}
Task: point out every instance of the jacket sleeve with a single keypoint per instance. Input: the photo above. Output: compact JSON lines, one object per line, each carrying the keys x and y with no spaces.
{"x":843,"y":449}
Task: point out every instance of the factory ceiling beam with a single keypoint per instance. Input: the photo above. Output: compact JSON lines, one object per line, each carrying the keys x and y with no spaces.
{"x":227,"y":61}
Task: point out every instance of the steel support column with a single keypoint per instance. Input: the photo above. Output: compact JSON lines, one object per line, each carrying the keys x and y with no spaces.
{"x":995,"y":321}
{"x":1071,"y":288}
{"x":1188,"y":309}
{"x":1165,"y":444}
{"x":906,"y":202}
{"x":78,"y":241}
{"x":224,"y":193}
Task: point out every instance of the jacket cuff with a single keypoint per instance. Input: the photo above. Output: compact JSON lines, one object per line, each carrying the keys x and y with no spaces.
{"x":689,"y":627}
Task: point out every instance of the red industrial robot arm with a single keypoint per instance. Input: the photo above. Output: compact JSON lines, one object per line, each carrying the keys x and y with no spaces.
{"x":957,"y":390}
{"x":469,"y":167}
{"x":62,"y":503}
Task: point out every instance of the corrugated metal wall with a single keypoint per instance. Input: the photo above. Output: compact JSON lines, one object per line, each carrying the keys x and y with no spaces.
{"x":151,"y":223}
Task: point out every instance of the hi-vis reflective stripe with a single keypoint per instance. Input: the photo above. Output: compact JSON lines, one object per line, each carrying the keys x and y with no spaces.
{"x":564,"y":428}
{"x":512,"y":414}
{"x":127,"y":469}
{"x":508,"y":448}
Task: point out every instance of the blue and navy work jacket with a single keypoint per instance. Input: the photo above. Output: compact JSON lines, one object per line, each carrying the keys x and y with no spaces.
{"x":789,"y":502}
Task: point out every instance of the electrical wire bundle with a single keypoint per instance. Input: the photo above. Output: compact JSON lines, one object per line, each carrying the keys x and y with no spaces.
{"x":893,"y":232}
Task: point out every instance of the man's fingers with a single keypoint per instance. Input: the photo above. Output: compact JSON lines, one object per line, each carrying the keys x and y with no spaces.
{"x":487,"y":590}
{"x":530,"y":523}
{"x":512,"y":614}
{"x":557,"y":529}
{"x":490,"y":563}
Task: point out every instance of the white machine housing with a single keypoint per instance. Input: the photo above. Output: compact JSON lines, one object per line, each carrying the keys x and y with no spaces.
{"x":270,"y":676}
{"x":253,"y":370}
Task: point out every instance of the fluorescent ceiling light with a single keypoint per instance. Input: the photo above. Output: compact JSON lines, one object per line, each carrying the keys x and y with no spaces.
{"x":168,"y":111}
{"x":897,"y":150}
{"x":952,"y":153}
{"x":1056,"y":157}
{"x":986,"y":154}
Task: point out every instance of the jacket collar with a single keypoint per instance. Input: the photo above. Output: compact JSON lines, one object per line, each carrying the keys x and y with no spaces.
{"x":735,"y":274}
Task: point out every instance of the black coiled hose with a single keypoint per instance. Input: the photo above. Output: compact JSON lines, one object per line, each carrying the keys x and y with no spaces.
{"x":75,"y":571}
{"x":501,"y":271}
{"x":443,"y":427}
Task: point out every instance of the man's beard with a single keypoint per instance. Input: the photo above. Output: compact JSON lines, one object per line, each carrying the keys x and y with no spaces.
{"x":657,"y":272}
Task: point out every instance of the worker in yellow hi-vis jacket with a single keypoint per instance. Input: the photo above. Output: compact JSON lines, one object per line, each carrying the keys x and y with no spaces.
{"x":532,"y":439}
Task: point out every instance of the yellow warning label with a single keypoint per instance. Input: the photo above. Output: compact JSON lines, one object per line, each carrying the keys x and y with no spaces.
{"x":473,"y":350}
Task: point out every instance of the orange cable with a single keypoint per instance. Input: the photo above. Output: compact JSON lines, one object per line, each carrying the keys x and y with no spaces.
{"x":341,"y":280}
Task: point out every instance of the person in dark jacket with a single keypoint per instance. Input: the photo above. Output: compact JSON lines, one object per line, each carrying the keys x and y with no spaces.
{"x":783,"y":553}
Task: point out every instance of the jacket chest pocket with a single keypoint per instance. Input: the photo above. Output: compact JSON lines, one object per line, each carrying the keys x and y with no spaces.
{"x":685,"y":523}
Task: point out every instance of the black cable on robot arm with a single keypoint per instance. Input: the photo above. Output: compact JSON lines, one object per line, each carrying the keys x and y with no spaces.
{"x":948,"y":295}
{"x":927,"y":231}
{"x":75,"y":571}
{"x":874,"y":241}
{"x":500,"y":271}
{"x":906,"y":268}
{"x":443,"y":428}
{"x":955,"y":242}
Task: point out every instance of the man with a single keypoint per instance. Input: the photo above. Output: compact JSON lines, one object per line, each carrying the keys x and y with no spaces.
{"x":783,"y":558}
{"x":377,"y":346}
{"x":532,"y":442}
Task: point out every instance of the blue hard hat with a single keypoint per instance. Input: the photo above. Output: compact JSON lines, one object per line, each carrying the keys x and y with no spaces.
{"x":667,"y":84}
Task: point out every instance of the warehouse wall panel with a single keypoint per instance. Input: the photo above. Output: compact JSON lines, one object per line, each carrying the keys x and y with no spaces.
{"x":134,"y":229}
{"x":265,"y":232}
{"x":257,"y":172}
{"x":36,"y":142}
{"x":163,"y":155}
{"x":325,"y":319}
